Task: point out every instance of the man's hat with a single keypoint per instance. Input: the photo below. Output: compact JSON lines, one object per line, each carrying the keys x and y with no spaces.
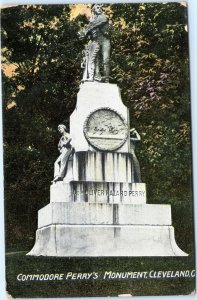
{"x":92,"y":6}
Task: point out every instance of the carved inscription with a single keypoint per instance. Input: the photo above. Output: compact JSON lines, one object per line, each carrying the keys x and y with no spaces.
{"x":105,"y":129}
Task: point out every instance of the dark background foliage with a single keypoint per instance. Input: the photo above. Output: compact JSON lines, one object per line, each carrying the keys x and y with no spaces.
{"x":149,"y":62}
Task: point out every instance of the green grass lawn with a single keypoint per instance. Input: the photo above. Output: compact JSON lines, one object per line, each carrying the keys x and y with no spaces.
{"x":18,"y":263}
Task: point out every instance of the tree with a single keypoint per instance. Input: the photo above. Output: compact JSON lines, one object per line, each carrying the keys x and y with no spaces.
{"x":42,"y":43}
{"x":150,"y":64}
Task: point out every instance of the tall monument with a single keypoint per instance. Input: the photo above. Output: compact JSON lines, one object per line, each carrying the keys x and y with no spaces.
{"x":98,"y":204}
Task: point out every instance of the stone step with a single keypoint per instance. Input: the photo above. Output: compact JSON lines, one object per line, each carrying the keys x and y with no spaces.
{"x":108,"y":214}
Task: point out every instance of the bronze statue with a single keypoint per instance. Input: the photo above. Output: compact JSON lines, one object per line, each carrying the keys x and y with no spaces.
{"x":96,"y":61}
{"x":65,"y":149}
{"x":135,"y":171}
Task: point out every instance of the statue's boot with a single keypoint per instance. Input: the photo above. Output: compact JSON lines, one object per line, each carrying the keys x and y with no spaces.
{"x":90,"y":79}
{"x":98,"y":78}
{"x":58,"y":179}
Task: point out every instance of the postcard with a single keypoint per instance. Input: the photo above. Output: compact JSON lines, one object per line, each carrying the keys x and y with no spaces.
{"x":97,"y":150}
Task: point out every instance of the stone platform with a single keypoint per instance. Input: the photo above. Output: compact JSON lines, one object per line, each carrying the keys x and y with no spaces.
{"x":106,"y":240}
{"x":105,"y":229}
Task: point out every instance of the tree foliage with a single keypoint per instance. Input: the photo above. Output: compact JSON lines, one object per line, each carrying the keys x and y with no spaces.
{"x":149,"y":63}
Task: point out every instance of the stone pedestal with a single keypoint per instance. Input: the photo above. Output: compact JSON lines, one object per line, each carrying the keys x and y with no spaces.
{"x":99,"y":209}
{"x":93,"y":96}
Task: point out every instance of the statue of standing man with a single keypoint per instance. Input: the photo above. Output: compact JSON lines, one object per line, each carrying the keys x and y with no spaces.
{"x":96,"y":62}
{"x":65,"y":149}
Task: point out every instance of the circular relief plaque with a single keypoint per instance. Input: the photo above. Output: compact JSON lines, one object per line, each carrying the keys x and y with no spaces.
{"x":105,"y":129}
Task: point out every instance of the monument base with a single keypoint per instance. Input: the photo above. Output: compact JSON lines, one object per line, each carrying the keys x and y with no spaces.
{"x":100,"y":208}
{"x":106,"y":240}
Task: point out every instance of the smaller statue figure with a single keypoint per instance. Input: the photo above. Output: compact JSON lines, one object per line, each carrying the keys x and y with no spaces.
{"x":134,"y":137}
{"x":65,"y":148}
{"x":97,"y":51}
